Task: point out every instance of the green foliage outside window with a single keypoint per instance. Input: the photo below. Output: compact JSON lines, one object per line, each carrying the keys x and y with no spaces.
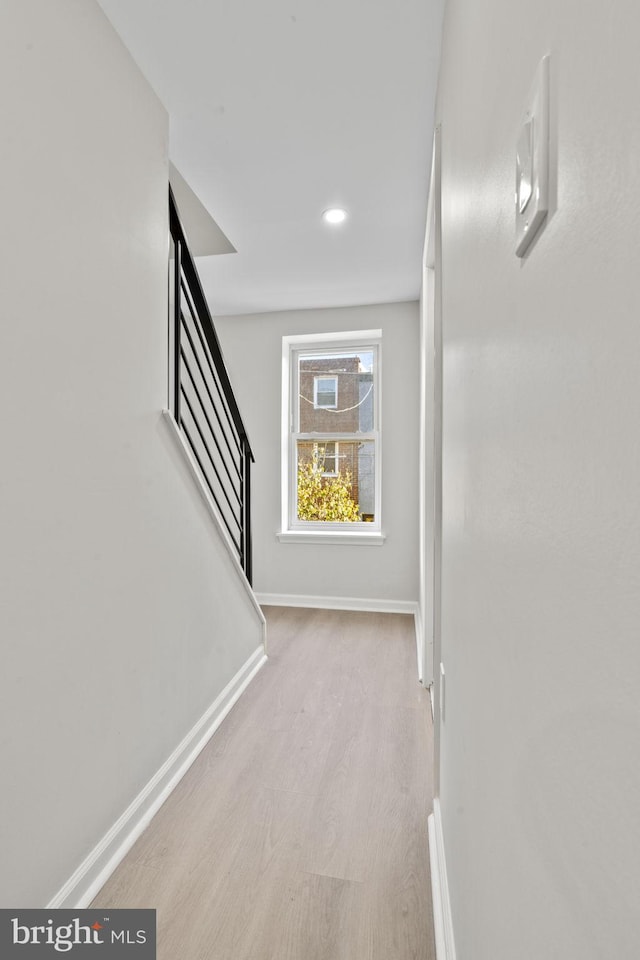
{"x":324,"y":498}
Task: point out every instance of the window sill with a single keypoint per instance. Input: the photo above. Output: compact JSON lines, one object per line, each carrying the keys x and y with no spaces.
{"x":350,"y":538}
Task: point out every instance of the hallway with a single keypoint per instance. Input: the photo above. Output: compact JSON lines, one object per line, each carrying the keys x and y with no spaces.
{"x":300,"y":832}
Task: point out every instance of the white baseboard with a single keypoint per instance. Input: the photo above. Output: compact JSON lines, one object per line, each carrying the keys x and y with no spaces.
{"x":442,"y":921}
{"x":366,"y":604}
{"x":94,"y":871}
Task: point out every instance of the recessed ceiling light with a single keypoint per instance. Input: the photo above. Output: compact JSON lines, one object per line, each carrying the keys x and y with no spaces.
{"x":334,"y":215}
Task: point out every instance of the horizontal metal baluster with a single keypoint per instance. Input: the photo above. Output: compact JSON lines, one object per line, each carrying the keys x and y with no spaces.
{"x":215,"y":469}
{"x":191,"y":313}
{"x":215,"y":439}
{"x":211,"y":490}
{"x":232,"y":452}
{"x":211,"y":363}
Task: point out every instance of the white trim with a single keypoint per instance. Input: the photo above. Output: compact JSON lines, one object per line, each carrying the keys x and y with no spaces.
{"x":337,"y":603}
{"x":286,"y":425}
{"x":427,"y":509}
{"x":419,"y":643}
{"x":338,"y":339}
{"x":78,"y":892}
{"x":374,"y":539}
{"x":442,"y":920}
{"x":174,"y":430}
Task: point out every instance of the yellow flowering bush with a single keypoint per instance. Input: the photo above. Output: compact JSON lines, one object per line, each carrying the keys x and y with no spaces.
{"x":325,"y":498}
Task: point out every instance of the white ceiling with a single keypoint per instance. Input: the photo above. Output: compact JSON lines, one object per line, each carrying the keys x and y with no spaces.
{"x":282,"y":108}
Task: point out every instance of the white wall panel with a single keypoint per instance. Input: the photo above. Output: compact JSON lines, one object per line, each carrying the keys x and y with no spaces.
{"x":540,"y":784}
{"x":120,"y":617}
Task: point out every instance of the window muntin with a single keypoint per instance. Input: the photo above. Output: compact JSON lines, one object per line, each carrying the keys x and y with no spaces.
{"x":336,"y":447}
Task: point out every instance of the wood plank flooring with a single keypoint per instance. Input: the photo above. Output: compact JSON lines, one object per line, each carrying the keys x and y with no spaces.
{"x":300,"y":832}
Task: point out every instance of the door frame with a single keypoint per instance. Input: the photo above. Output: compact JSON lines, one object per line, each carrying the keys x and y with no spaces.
{"x":431,"y":440}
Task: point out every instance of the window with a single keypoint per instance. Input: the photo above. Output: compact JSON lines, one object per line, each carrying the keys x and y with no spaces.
{"x":331,"y":439}
{"x":328,"y":454}
{"x":325,"y":393}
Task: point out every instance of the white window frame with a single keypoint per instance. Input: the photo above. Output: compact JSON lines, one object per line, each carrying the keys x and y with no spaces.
{"x":305,"y":531}
{"x":324,"y":406}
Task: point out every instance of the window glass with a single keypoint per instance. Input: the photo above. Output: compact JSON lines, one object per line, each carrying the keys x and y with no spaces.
{"x":336,"y":392}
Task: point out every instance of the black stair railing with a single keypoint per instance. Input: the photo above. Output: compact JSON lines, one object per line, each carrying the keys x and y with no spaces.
{"x":203,"y":402}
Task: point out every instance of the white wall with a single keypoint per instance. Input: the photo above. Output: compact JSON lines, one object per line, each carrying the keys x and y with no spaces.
{"x":540,"y":780}
{"x":253,"y":348}
{"x":120,"y":618}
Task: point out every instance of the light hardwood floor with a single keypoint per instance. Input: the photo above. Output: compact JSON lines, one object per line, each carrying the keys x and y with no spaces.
{"x":300,"y":832}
